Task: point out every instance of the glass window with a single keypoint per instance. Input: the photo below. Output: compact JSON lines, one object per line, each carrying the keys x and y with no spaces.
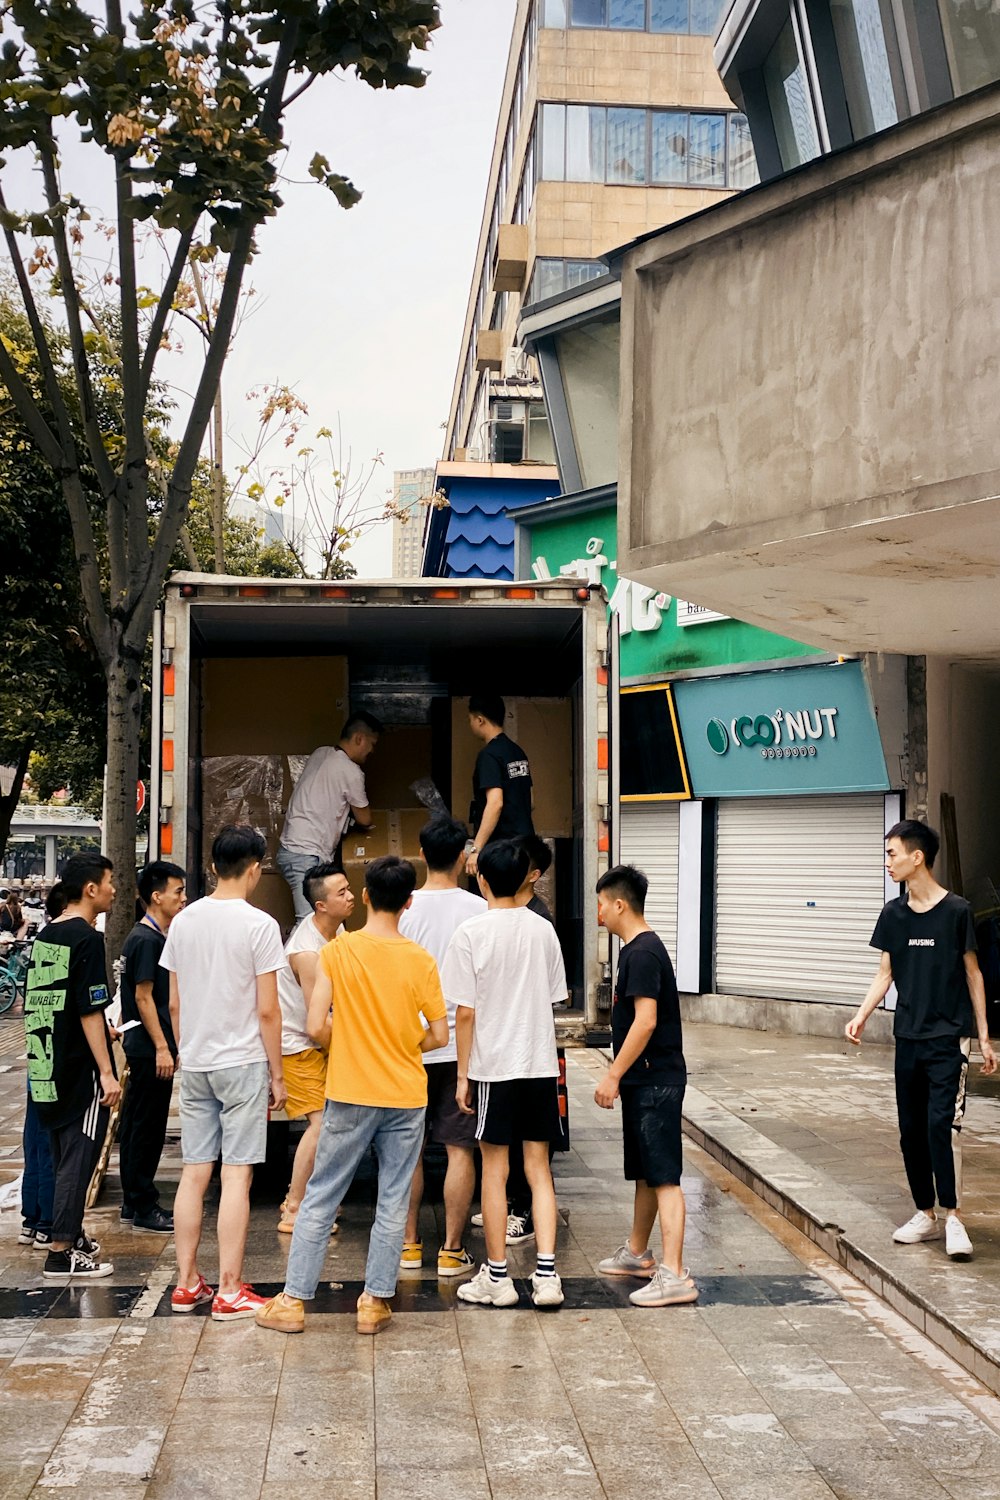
{"x":627,"y":15}
{"x":791,"y":106}
{"x":555,"y":14}
{"x":585,"y":135}
{"x":742,"y":161}
{"x":669,"y":146}
{"x":626,"y":145}
{"x":587,"y":13}
{"x":553,"y":142}
{"x":705,"y":17}
{"x":972,"y":40}
{"x":707,"y":156}
{"x":588,"y":363}
{"x":864,"y":38}
{"x":668,"y":15}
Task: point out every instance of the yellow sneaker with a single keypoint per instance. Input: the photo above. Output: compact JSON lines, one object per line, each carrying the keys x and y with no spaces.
{"x":374,"y":1314}
{"x":283,"y":1314}
{"x":412,"y":1257}
{"x":455,"y":1262}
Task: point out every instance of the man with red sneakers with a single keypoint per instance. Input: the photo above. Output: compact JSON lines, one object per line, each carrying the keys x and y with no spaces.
{"x":224,"y":956}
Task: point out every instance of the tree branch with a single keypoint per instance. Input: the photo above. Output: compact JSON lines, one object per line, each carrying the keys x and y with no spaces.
{"x":158,"y":325}
{"x":27,"y":409}
{"x":106,"y":477}
{"x":88,"y":563}
{"x":133,"y":406}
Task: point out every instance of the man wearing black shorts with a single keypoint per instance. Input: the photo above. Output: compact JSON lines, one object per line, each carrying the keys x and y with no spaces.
{"x":649,"y":1073}
{"x":434,"y":914}
{"x":505,"y":972}
{"x":928,"y":949}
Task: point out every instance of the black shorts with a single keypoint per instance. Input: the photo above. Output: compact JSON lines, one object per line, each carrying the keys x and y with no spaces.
{"x":518,"y":1109}
{"x":651,"y":1123}
{"x":446,"y":1124}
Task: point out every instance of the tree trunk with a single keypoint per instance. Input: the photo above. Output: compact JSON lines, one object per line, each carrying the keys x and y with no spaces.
{"x":124,"y":738}
{"x":8,"y":804}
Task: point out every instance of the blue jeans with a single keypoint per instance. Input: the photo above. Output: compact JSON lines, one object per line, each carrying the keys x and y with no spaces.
{"x":295,"y":867}
{"x":346,"y":1133}
{"x":38,"y":1180}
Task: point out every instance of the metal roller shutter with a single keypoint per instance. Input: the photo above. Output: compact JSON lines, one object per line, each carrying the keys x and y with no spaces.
{"x":649,"y":839}
{"x":799,"y":885}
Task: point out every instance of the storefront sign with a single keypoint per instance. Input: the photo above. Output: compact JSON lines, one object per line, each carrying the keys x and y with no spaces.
{"x":808,"y":729}
{"x":637,"y":607}
{"x":696,"y":614}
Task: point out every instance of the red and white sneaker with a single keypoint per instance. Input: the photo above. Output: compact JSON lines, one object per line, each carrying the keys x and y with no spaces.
{"x":185,"y":1299}
{"x":241,"y":1304}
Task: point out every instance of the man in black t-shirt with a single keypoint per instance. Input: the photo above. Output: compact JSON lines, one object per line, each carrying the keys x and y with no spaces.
{"x":148,"y":1039}
{"x":928,"y":949}
{"x":650,"y":1075}
{"x":501,"y":781}
{"x":70,"y":1071}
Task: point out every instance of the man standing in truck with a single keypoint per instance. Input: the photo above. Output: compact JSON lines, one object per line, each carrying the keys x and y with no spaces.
{"x":330,"y":790}
{"x":501,"y":782}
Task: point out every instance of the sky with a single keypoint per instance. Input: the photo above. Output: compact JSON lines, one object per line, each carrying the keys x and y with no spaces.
{"x":362,"y":311}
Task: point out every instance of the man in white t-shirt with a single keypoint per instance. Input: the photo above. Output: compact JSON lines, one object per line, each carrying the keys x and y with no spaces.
{"x":224,"y":956}
{"x":329,"y":893}
{"x":330,"y":789}
{"x":504,"y":971}
{"x":437,"y":910}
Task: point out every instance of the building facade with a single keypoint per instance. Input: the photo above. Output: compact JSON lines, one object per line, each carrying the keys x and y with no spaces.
{"x":613,"y":121}
{"x":411,"y":490}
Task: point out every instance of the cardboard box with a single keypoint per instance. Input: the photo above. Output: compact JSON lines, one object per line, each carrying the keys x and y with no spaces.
{"x":402,"y":756}
{"x":274,"y":896}
{"x":354,"y":869}
{"x":543,"y":727}
{"x":395,"y":831}
{"x":272,"y":705}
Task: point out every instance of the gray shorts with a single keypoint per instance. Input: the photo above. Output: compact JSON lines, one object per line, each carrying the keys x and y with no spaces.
{"x":225,"y":1110}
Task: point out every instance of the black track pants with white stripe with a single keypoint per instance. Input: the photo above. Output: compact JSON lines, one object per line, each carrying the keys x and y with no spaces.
{"x":76,"y":1148}
{"x":930,"y":1099}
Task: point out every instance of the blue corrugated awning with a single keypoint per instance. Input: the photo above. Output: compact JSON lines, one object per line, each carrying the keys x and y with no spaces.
{"x":474,"y":536}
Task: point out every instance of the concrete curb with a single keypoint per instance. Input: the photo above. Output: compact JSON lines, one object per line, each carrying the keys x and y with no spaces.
{"x":819,"y":1208}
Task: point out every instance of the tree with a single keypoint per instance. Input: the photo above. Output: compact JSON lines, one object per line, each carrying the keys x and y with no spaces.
{"x":187,"y":105}
{"x":52,"y":688}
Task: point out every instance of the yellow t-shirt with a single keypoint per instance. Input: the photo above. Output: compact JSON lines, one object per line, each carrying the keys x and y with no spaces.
{"x":381,"y":986}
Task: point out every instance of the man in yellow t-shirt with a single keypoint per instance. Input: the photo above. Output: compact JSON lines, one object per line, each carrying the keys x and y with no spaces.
{"x":371,"y":989}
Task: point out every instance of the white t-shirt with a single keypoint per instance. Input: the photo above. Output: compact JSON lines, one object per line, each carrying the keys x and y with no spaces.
{"x":508,"y":967}
{"x":431,"y":921}
{"x":217,"y":949}
{"x":330,"y":785}
{"x":295,"y":1037}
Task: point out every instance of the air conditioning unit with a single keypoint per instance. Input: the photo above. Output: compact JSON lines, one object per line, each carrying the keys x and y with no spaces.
{"x":509,"y":413}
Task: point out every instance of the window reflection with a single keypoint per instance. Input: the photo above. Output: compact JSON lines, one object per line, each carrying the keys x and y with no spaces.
{"x":621,"y":145}
{"x":626,"y":145}
{"x":864,"y":37}
{"x":972,"y":41}
{"x":588,"y":363}
{"x":791,"y":106}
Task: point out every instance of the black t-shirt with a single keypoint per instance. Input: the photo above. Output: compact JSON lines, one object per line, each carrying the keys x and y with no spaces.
{"x":502,"y":763}
{"x":646,"y":973}
{"x":540,"y":907}
{"x":68,"y":978}
{"x":927,"y":950}
{"x":141,"y":955}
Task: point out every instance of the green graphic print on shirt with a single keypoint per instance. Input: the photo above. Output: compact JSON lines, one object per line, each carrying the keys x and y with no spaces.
{"x":45,"y":998}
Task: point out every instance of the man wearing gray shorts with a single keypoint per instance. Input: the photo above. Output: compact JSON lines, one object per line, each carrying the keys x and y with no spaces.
{"x":224,"y":955}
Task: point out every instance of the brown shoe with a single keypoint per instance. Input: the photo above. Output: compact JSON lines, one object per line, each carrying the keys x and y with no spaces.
{"x":284,"y":1315}
{"x":373,"y":1314}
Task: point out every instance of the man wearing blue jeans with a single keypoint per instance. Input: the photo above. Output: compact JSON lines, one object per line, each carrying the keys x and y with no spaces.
{"x":378,"y":985}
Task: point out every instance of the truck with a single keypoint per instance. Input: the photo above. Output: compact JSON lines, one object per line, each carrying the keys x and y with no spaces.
{"x":253,"y":674}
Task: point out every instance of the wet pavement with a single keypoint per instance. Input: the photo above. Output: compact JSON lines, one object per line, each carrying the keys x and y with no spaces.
{"x":788,"y":1379}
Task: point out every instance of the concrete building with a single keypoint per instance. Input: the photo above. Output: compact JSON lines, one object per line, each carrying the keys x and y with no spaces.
{"x":809,"y":439}
{"x":613,"y":121}
{"x":410,"y":487}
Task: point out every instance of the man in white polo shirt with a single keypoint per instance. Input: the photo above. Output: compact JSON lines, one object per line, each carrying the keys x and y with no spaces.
{"x":330,"y":790}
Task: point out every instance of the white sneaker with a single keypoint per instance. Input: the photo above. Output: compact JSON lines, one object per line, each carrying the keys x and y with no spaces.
{"x":546,"y":1291}
{"x":482,"y":1288}
{"x":476,"y":1221}
{"x":920,"y":1227}
{"x":956,"y":1239}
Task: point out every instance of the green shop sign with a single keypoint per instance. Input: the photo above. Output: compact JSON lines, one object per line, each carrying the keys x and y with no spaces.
{"x":807,"y":729}
{"x":654,"y":629}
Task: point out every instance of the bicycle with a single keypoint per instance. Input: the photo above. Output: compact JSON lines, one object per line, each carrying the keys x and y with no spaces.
{"x":14,"y":964}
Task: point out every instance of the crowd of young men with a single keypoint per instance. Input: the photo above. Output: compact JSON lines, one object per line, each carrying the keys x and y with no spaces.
{"x":433,"y":1022}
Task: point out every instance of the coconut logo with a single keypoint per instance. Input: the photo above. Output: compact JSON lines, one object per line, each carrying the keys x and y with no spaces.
{"x":783,"y":735}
